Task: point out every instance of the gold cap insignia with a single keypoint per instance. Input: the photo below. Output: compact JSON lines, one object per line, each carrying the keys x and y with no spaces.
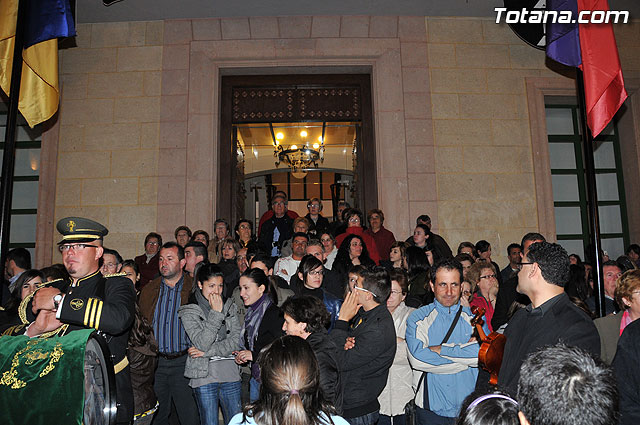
{"x":71,"y":224}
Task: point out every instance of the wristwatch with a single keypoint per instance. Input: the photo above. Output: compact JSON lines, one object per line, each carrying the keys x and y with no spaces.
{"x":57,"y":299}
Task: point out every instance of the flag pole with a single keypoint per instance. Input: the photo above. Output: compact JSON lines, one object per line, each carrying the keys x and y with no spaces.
{"x":9,"y":152}
{"x":592,"y":197}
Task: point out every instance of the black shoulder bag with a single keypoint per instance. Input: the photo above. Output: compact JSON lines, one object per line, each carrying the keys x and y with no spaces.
{"x":410,"y":407}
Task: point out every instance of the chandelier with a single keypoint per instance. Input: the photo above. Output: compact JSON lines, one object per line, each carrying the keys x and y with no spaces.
{"x":298,"y":158}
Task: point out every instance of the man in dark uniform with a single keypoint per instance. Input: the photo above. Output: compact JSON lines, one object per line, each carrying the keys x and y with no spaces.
{"x":91,"y":301}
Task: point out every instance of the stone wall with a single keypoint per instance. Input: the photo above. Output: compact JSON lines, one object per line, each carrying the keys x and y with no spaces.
{"x":140,"y":106}
{"x":108,"y":130}
{"x":483,"y":149}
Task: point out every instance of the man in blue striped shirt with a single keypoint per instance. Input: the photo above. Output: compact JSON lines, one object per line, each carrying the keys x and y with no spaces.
{"x":159,"y":303}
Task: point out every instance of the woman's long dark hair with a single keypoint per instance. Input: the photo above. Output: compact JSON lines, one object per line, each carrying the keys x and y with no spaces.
{"x":290,"y":392}
{"x":261,"y":279}
{"x":343,"y":260}
{"x":16,"y":296}
{"x":417,"y":261}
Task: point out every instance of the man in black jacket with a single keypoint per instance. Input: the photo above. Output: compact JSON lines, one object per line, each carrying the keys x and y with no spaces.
{"x":92,"y":301}
{"x":365,"y":329}
{"x":508,"y":294}
{"x":550,"y":318}
{"x":276,"y":229}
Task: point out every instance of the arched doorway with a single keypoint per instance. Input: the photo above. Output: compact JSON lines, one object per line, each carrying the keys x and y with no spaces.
{"x":329,"y":116}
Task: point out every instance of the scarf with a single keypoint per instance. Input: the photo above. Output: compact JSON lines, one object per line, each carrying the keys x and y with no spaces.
{"x":253,"y":318}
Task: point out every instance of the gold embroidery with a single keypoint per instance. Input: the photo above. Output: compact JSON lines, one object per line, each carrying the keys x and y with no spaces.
{"x":76,"y":303}
{"x":10,"y":377}
{"x":71,"y":224}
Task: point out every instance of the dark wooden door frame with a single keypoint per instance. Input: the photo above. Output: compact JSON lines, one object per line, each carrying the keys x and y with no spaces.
{"x":366,"y":178}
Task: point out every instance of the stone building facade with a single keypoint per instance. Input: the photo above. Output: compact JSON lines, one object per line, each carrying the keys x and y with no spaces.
{"x":458,"y":114}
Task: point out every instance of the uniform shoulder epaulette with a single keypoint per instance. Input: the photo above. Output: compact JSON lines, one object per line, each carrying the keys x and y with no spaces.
{"x":48,"y":283}
{"x":114,"y":275}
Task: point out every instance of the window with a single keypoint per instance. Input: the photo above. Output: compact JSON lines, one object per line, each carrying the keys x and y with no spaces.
{"x":569,"y":187}
{"x":24,"y":202}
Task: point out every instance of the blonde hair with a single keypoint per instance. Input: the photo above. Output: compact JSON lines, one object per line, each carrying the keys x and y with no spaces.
{"x":301,"y":220}
{"x":625,"y":285}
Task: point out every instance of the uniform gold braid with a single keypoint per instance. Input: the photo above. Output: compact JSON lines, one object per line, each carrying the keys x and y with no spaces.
{"x":87,"y":310}
{"x":22,"y":308}
{"x":114,"y":274}
{"x":98,"y":315}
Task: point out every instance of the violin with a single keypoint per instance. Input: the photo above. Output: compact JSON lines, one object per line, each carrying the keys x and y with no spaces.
{"x":491,"y":347}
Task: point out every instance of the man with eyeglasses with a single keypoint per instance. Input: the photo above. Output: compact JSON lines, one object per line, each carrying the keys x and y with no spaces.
{"x":441,"y":352}
{"x":317,"y":223}
{"x":365,"y":329}
{"x":148,"y":262}
{"x":92,"y":301}
{"x":508,"y":293}
{"x":276,"y":226}
{"x":550,"y":318}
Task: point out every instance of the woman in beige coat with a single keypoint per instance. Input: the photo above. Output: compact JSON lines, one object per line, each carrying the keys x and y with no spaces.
{"x":398,"y":390}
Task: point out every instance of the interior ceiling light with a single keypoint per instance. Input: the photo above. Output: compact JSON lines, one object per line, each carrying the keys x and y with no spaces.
{"x":298,"y":159}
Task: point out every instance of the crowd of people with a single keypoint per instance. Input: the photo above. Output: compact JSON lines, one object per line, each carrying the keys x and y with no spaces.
{"x":379,"y":329}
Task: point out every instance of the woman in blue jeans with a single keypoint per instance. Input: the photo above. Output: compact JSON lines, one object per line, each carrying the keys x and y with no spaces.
{"x":213,"y":326}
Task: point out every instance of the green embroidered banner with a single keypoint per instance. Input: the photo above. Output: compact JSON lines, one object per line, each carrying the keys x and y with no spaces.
{"x":42,"y":379}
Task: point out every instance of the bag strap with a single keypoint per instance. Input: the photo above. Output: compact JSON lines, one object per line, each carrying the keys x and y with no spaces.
{"x":453,"y":325}
{"x":446,"y":338}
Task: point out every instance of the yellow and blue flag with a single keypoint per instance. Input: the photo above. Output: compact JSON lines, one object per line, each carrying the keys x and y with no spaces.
{"x":46,"y":20}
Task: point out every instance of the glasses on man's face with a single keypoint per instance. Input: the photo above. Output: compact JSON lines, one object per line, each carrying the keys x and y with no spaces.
{"x":75,"y":247}
{"x":354,"y":220}
{"x":152,"y":243}
{"x":316,"y":272}
{"x":365,"y":290}
{"x":395,"y":292}
{"x":244,"y":226}
{"x":488,"y":276}
{"x":278,"y":203}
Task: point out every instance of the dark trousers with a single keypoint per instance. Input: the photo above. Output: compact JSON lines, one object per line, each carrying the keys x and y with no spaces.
{"x":427,"y":417}
{"x":391,"y":420}
{"x":368,"y":419}
{"x":171,"y":386}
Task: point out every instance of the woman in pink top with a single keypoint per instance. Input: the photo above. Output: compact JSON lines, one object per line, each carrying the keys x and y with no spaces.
{"x":484,"y":286}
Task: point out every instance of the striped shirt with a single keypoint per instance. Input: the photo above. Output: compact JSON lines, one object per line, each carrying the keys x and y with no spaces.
{"x":167,"y":326}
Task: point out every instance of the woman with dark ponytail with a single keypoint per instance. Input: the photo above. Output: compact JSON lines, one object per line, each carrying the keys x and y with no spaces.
{"x":290,"y":393}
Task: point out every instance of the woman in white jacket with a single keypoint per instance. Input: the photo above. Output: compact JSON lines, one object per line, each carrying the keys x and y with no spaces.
{"x":398,"y":391}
